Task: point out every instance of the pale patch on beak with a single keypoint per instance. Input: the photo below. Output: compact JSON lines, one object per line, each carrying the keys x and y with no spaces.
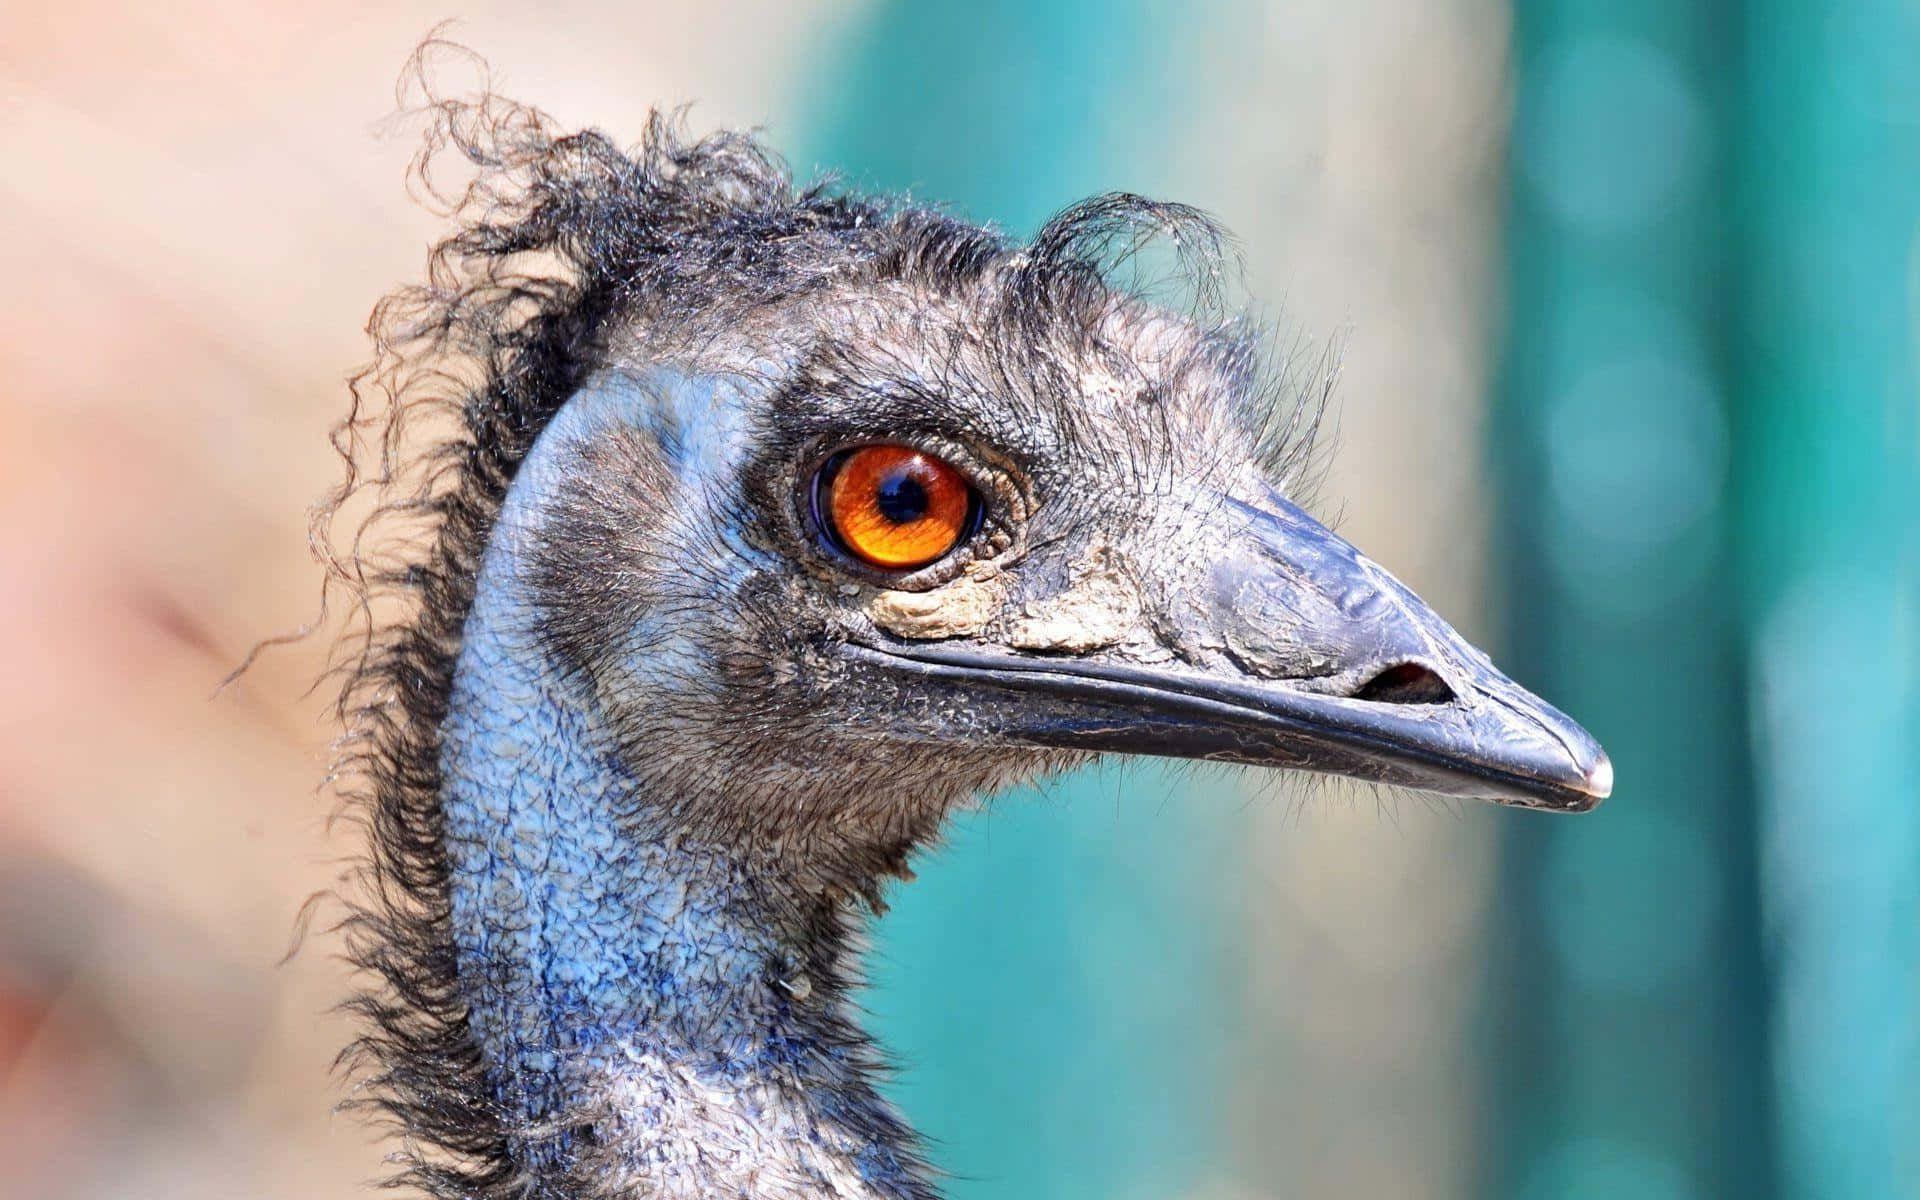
{"x":1100,"y":607}
{"x":966,"y":607}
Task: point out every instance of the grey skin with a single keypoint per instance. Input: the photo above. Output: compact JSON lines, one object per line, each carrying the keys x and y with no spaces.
{"x":660,"y":742}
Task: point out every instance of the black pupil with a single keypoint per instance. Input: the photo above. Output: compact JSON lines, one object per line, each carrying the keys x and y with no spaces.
{"x":901,"y":498}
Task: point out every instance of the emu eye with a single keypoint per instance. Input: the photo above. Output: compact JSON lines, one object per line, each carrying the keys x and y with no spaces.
{"x":894,"y":507}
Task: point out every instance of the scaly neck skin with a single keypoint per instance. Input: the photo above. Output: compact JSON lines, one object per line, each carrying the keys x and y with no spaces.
{"x":642,"y":1016}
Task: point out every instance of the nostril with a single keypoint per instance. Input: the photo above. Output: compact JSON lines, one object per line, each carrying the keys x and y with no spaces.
{"x":1405,"y":683}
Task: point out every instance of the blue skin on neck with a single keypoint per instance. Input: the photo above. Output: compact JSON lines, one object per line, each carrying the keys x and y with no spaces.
{"x":609,"y":971}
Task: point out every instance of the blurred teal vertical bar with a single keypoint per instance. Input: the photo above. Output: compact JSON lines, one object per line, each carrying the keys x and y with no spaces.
{"x":1054,"y":982}
{"x":1630,"y":1049}
{"x":1829,"y":183}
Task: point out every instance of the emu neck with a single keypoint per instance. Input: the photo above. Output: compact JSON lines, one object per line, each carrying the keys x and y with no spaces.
{"x":646,"y":1027}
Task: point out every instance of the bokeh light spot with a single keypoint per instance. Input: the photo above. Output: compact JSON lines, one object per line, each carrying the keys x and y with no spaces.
{"x":1610,"y":134}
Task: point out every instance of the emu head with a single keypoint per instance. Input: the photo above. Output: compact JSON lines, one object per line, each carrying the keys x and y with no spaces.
{"x":863,"y":512}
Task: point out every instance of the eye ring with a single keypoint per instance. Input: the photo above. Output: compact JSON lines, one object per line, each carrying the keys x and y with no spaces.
{"x":894,"y":508}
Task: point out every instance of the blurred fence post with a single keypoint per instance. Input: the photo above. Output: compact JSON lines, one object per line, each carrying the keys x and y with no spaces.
{"x":1828,"y":184}
{"x":1631,"y":1038}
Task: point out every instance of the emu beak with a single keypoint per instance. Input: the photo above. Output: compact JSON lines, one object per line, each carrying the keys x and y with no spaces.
{"x":1329,"y":664}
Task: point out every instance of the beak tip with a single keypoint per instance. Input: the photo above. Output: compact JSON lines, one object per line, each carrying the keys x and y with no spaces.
{"x":1600,"y":779}
{"x":1590,"y":782}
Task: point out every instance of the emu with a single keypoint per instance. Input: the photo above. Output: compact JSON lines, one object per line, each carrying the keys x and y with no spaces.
{"x":756,"y":529}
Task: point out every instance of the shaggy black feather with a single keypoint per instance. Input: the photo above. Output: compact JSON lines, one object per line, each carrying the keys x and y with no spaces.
{"x":564,"y":240}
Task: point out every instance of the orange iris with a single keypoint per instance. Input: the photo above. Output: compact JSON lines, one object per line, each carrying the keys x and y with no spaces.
{"x":898,"y":508}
